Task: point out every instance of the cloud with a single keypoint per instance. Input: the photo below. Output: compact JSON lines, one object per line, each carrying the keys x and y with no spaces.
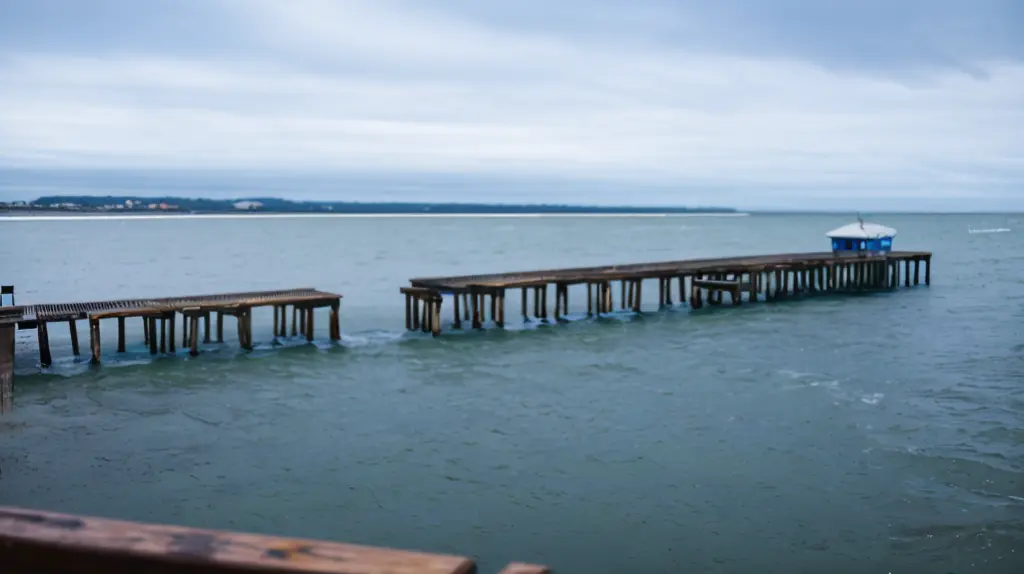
{"x":792,"y":103}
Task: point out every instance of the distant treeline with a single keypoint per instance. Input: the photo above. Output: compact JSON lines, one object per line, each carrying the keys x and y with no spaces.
{"x":277,"y":205}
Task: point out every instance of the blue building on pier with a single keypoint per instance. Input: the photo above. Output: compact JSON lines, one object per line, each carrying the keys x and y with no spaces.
{"x":861,"y":237}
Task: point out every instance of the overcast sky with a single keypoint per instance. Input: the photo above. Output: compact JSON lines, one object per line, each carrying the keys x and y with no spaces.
{"x":753,"y":103}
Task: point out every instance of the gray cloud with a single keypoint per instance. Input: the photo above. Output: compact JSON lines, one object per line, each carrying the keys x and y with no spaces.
{"x":758,"y":102}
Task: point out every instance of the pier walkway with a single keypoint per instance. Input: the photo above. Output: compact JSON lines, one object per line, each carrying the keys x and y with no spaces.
{"x":772,"y":276}
{"x":159,"y":316}
{"x":33,"y":541}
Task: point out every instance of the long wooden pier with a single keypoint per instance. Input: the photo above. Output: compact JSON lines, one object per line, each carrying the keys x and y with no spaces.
{"x":33,"y":542}
{"x":159,"y":316}
{"x":770,"y":277}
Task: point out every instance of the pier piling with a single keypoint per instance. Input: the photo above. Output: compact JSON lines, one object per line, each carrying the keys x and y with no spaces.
{"x":700,"y":282}
{"x":164,"y":311}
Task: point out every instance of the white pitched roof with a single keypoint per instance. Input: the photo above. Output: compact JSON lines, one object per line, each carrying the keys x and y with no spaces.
{"x":862,"y":231}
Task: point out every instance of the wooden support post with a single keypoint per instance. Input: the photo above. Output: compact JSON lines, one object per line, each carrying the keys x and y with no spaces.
{"x":6,"y":367}
{"x":277,"y":319}
{"x":295,"y":321}
{"x":661,"y":292}
{"x":309,"y":324}
{"x":246,"y":338}
{"x":94,"y":340}
{"x":194,"y":333}
{"x":163,"y":334}
{"x":917,"y":271}
{"x":525,"y":305}
{"x":152,"y":335}
{"x":435,"y":316}
{"x":536,"y":302}
{"x":544,"y":303}
{"x":206,"y":327}
{"x":145,"y":331}
{"x":220,"y":327}
{"x":45,"y":359}
{"x":609,"y":302}
{"x":558,"y":302}
{"x":427,"y":315}
{"x":185,"y":339}
{"x":630,"y":294}
{"x":247,"y":315}
{"x":170,"y":333}
{"x":622,"y":287}
{"x":906,"y":273}
{"x":408,"y":311}
{"x":477,"y":323}
{"x":928,"y":271}
{"x":590,"y":300}
{"x":120,"y":335}
{"x":335,"y":334}
{"x":415,"y":312}
{"x":456,"y":311}
{"x":668,"y":291}
{"x":638,"y":295}
{"x":303,"y":315}
{"x":501,"y":308}
{"x":465,"y":306}
{"x":74,"y":336}
{"x":682,"y":289}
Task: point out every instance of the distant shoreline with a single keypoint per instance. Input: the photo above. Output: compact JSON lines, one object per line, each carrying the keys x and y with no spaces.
{"x":286,"y":215}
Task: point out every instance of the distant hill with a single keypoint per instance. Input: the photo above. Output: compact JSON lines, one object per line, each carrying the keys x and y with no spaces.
{"x":277,"y":205}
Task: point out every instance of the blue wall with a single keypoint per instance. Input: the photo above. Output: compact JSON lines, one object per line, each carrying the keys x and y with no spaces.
{"x":880,"y":244}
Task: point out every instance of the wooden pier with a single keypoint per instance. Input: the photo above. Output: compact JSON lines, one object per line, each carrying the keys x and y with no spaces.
{"x":159,"y":316}
{"x":699,"y":282}
{"x":33,"y":542}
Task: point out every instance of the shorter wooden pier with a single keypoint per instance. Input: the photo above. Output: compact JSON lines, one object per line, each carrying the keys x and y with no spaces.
{"x":159,"y":316}
{"x":699,"y":281}
{"x":34,"y":542}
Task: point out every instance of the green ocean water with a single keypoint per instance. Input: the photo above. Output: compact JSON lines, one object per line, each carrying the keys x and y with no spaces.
{"x":872,"y":433}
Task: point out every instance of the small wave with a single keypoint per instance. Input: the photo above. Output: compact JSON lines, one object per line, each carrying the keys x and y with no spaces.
{"x":989,"y":230}
{"x":872,"y":399}
{"x":367,"y":338}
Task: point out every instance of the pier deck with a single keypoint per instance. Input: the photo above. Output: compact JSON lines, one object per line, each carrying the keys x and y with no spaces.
{"x":159,"y":314}
{"x":32,"y":541}
{"x":775,"y":276}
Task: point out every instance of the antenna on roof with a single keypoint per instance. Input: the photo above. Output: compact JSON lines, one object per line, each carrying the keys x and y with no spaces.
{"x":860,"y":220}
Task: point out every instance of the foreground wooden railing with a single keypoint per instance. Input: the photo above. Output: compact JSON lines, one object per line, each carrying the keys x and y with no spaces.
{"x":35,"y":542}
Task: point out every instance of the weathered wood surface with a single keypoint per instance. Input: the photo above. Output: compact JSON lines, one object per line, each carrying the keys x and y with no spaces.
{"x":34,"y":542}
{"x":521,"y":568}
{"x":6,"y":366}
{"x":142,"y":307}
{"x":650,"y":270}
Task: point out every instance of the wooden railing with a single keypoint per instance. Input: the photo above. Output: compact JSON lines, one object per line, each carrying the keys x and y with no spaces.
{"x":36,"y":542}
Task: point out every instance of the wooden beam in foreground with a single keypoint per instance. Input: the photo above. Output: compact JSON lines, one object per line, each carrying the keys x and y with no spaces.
{"x":35,"y":542}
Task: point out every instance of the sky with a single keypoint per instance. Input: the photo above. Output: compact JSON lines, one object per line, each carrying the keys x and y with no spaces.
{"x":810,"y":104}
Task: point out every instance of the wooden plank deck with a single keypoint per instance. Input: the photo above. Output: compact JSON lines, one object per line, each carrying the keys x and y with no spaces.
{"x":131,"y":307}
{"x":576,"y":275}
{"x":771,"y":276}
{"x":158,"y":316}
{"x":33,"y":542}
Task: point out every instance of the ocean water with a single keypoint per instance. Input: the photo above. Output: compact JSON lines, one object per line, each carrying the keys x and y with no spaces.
{"x":869,"y":433}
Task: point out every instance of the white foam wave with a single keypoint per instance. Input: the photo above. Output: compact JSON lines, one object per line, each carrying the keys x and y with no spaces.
{"x":991,"y":230}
